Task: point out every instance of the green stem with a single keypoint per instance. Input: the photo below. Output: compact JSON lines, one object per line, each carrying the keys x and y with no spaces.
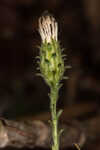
{"x":55,"y":136}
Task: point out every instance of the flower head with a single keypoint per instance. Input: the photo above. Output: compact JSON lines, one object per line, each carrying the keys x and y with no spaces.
{"x":48,"y":28}
{"x":51,"y":62}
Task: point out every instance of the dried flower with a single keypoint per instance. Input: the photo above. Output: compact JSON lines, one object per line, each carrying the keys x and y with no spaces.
{"x":48,"y":28}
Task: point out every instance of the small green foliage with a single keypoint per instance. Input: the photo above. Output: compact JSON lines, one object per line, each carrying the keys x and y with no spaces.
{"x":59,"y":113}
{"x":51,"y":62}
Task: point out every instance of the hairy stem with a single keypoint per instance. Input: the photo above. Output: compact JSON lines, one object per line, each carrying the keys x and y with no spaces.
{"x":55,"y":136}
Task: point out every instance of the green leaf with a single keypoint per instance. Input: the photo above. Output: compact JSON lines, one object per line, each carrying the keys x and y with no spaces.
{"x":59,"y":113}
{"x":50,"y":122}
{"x":60,"y":132}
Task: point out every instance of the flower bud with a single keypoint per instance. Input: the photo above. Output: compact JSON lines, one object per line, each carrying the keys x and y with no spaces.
{"x":51,"y":59}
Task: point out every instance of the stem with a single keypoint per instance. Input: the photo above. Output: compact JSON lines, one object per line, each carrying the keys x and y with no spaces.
{"x":55,"y":136}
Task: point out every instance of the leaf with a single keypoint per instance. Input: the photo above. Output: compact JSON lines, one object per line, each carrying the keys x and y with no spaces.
{"x":59,"y":113}
{"x":60,"y":132}
{"x":50,"y":122}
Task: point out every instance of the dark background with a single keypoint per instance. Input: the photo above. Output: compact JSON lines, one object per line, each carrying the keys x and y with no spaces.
{"x":21,"y":91}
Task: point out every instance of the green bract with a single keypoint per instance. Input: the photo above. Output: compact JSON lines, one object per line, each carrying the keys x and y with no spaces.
{"x":51,"y":62}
